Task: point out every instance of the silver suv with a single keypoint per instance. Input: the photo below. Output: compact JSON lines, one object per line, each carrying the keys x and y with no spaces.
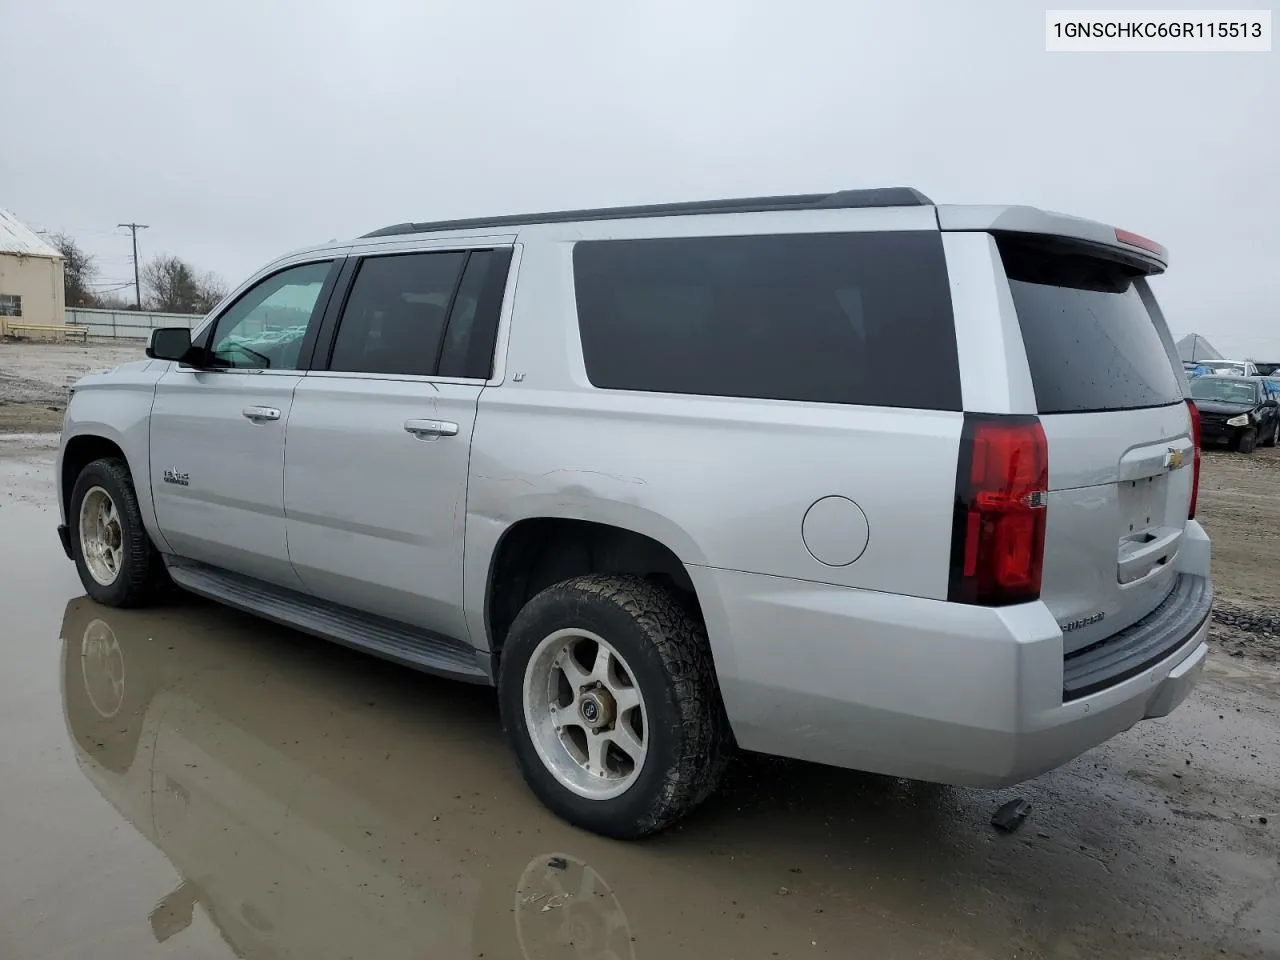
{"x":854,"y":478}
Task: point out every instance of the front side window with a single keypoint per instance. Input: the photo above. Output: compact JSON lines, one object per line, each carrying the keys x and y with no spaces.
{"x":264,"y":328}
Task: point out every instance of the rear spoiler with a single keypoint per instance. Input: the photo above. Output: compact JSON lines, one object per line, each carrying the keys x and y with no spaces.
{"x":1111,"y":242}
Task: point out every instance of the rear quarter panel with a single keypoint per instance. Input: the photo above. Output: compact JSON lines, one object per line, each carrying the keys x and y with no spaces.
{"x":723,"y":482}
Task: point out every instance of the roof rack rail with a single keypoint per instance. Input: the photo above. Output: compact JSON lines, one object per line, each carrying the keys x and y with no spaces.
{"x":840,"y":200}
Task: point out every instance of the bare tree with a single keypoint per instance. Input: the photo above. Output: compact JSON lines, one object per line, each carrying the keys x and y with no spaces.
{"x":112,"y":301}
{"x":212,"y":288}
{"x":78,"y":272}
{"x":172,"y":286}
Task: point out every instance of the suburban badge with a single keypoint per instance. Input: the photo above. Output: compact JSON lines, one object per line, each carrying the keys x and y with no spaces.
{"x":1081,"y":622}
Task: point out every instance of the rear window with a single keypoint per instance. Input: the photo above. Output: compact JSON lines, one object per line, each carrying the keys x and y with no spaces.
{"x":1090,"y":342}
{"x":857,"y":318}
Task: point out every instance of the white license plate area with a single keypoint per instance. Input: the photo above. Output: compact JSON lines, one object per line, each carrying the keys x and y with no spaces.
{"x":1142,"y":505}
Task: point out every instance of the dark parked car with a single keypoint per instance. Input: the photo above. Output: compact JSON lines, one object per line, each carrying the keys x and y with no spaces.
{"x":1239,"y":410}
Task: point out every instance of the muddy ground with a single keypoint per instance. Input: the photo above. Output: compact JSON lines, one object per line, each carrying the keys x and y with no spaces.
{"x":35,"y":378}
{"x":191,"y":782}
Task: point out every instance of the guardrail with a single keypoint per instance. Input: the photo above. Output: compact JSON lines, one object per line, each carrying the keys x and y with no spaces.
{"x":47,"y":331}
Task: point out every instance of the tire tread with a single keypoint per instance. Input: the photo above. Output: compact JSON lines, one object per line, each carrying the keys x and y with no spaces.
{"x":704,"y":739}
{"x":143,"y":579}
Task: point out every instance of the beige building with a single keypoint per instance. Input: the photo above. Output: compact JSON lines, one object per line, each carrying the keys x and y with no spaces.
{"x":30,"y":275}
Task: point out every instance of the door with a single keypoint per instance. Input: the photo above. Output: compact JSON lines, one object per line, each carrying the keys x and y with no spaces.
{"x":217,"y":432}
{"x":379,"y":436}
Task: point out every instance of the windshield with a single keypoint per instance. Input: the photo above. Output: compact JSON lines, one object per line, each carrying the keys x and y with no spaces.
{"x":1227,"y":391}
{"x":1234,"y":368}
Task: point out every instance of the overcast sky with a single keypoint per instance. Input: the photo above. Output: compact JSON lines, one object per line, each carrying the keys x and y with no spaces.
{"x":239,"y":130}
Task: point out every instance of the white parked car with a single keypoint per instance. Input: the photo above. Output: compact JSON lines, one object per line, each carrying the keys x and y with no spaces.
{"x":1232,"y":368}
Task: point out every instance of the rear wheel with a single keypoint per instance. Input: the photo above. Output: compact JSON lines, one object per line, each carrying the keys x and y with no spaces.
{"x":117,"y":563}
{"x":1247,"y":440}
{"x":610,"y":699}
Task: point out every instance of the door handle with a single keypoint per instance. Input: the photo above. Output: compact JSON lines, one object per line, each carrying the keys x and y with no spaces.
{"x":261,"y":414}
{"x":431,"y":429}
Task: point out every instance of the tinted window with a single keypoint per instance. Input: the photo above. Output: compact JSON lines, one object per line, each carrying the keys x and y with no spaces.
{"x":394,"y":318}
{"x":1227,"y":390}
{"x":265,"y":327}
{"x":1091,"y":345}
{"x":838,"y":318}
{"x":473,"y":325}
{"x":468,"y":351}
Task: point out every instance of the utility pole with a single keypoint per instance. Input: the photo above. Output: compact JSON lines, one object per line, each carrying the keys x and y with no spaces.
{"x":137,"y":290}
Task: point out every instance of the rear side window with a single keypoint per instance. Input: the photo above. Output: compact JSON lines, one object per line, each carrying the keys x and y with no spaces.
{"x":423,"y":314}
{"x":1091,"y":344}
{"x":834,"y":317}
{"x":395,"y":316}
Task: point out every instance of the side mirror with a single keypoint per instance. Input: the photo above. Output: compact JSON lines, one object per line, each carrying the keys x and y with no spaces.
{"x":169,"y":343}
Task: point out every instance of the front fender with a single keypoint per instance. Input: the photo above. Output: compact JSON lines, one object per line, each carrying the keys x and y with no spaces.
{"x":116,"y":407}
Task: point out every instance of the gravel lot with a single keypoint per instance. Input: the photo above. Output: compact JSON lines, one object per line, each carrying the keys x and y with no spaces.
{"x":34,"y":378}
{"x":1240,"y":508}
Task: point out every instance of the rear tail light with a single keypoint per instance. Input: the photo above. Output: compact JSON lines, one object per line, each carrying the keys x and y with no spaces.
{"x":1195,"y":458}
{"x":1002,"y":494}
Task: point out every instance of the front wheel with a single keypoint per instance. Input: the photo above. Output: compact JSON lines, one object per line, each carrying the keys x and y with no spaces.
{"x":117,"y":564}
{"x":1247,"y":440}
{"x":609,"y":697}
{"x":1273,"y":434}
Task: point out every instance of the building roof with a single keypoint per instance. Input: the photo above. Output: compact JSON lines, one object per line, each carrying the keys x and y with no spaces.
{"x":1195,"y":347}
{"x":17,"y":237}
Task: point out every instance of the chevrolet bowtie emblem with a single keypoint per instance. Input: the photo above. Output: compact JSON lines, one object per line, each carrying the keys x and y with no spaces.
{"x":1173,"y":460}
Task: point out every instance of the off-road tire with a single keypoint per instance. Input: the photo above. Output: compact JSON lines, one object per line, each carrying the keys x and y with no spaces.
{"x":1247,"y":441}
{"x":142,"y":579}
{"x":666,"y":647}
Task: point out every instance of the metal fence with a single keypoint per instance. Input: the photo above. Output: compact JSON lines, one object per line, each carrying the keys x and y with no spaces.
{"x":126,"y":324}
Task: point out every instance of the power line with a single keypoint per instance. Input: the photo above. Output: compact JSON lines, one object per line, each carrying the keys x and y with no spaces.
{"x":133,"y":229}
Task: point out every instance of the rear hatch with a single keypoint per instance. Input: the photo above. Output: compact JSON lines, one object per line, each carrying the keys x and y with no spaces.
{"x":1119,"y":435}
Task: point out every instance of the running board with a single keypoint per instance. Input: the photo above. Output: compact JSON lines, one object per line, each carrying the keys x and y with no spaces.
{"x":398,"y":642}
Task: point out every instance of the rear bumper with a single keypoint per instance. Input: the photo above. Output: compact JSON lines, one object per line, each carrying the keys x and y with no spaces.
{"x":921,"y":688}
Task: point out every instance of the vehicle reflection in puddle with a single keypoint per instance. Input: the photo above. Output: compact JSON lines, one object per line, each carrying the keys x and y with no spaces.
{"x":563,"y":902}
{"x":301,"y":833}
